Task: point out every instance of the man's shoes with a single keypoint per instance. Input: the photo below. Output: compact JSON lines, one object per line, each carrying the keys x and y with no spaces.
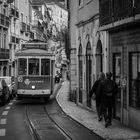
{"x":107,"y":123}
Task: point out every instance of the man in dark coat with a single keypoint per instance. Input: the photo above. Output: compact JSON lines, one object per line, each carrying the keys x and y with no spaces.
{"x":97,"y":96}
{"x":107,"y":90}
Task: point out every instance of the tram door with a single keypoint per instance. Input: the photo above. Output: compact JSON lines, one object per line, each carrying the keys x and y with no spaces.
{"x":117,"y":77}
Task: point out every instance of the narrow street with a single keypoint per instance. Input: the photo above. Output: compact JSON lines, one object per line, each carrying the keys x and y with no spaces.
{"x":34,"y":119}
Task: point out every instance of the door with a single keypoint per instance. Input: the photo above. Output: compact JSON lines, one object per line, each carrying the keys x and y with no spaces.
{"x":88,"y":73}
{"x":80,"y":74}
{"x":117,"y":70}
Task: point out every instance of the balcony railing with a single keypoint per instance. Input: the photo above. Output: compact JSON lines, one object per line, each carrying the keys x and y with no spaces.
{"x":14,"y":39}
{"x":4,"y":53}
{"x":23,"y":27}
{"x":14,"y":12}
{"x":4,"y":21}
{"x":31,"y":35}
{"x":28,"y":28}
{"x":116,"y":10}
{"x":37,"y":24}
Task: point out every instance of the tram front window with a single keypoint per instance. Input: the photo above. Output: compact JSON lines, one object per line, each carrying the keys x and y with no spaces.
{"x":33,"y":66}
{"x":22,"y":66}
{"x":45,"y":67}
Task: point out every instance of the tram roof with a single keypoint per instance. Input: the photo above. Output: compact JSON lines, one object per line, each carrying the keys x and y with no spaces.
{"x":33,"y":52}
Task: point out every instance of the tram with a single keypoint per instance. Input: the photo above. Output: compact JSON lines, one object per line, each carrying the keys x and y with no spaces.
{"x":34,"y":70}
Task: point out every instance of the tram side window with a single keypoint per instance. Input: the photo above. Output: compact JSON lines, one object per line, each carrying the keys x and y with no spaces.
{"x":22,"y":66}
{"x":33,"y":66}
{"x":45,"y":67}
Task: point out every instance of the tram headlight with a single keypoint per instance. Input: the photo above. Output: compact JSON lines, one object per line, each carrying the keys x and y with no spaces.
{"x":33,"y":86}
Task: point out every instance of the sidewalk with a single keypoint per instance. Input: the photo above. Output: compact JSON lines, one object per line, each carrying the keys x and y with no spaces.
{"x":89,"y":118}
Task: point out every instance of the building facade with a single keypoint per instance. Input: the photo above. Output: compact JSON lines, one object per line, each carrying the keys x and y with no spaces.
{"x":20,"y":28}
{"x":59,"y":15}
{"x":120,"y":21}
{"x":4,"y":38}
{"x":88,"y":50}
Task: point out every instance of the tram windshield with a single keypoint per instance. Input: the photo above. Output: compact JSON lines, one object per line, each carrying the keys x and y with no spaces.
{"x":33,"y":66}
{"x":45,"y":67}
{"x":22,"y":65}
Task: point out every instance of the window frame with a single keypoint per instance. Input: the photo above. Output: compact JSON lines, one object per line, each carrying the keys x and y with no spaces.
{"x":134,"y":90}
{"x":49,"y":67}
{"x":36,"y":73}
{"x":25,"y":67}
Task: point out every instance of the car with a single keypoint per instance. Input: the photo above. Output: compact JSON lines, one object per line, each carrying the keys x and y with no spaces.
{"x":11,"y":85}
{"x":4,"y":92}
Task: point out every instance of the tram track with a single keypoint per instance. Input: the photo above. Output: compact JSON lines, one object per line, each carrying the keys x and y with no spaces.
{"x":32,"y":129}
{"x":47,"y":128}
{"x":49,"y":122}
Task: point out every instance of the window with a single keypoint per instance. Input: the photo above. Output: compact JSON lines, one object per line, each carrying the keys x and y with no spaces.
{"x":135,"y":80}
{"x":45,"y":67}
{"x":21,"y":17}
{"x":4,"y":43}
{"x":4,"y":11}
{"x":26,"y":20}
{"x":0,"y":40}
{"x":33,"y":66}
{"x":22,"y":66}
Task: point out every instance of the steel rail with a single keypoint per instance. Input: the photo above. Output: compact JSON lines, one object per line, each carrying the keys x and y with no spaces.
{"x":32,"y":129}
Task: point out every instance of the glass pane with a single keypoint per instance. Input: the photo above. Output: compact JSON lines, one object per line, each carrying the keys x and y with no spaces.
{"x":135,"y":80}
{"x":33,"y":66}
{"x":22,"y":66}
{"x":139,"y":66}
{"x":118,"y":66}
{"x":134,"y":66}
{"x":45,"y":67}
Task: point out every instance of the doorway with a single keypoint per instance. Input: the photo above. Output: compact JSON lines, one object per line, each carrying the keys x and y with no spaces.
{"x":99,"y":57}
{"x":117,"y":72}
{"x":88,"y":73}
{"x":80,"y":57}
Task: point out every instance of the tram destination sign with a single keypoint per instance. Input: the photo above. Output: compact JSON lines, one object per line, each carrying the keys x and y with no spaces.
{"x":43,"y":46}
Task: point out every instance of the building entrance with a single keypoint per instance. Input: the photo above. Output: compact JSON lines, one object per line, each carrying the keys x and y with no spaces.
{"x":117,"y":68}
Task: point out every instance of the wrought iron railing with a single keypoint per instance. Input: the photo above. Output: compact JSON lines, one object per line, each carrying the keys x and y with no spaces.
{"x":28,"y":28}
{"x":4,"y":21}
{"x":14,"y":12}
{"x":23,"y":27}
{"x":4,"y":53}
{"x":116,"y":10}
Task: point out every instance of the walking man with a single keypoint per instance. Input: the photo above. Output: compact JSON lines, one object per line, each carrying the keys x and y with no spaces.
{"x":107,"y":90}
{"x":97,"y":96}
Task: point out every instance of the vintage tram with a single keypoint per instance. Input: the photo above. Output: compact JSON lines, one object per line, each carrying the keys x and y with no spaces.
{"x":34,"y":70}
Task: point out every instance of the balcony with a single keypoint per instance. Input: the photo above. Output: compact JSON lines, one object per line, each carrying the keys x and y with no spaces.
{"x":27,"y":29}
{"x":14,"y":39}
{"x":4,"y":53}
{"x":23,"y":27}
{"x":14,"y":12}
{"x":31,"y":35}
{"x":117,"y":10}
{"x":4,"y":21}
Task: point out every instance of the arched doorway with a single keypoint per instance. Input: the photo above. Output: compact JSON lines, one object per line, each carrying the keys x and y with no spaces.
{"x":80,"y":66}
{"x":99,"y":57}
{"x":88,"y":72}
